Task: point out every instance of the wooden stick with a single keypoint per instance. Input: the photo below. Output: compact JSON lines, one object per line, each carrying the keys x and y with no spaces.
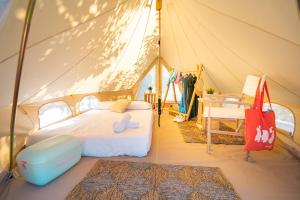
{"x":247,"y":156}
{"x":208,"y":134}
{"x":166,"y":96}
{"x":191,"y":104}
{"x":174,"y":92}
{"x":25,"y":34}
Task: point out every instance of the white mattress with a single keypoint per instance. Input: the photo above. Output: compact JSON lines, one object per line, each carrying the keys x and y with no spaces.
{"x":94,"y":128}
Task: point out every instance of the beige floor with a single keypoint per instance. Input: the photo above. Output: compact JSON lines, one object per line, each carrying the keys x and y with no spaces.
{"x":273,"y":175}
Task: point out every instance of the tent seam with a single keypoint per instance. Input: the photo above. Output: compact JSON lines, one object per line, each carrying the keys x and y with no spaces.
{"x":147,"y":23}
{"x":215,"y":55}
{"x":74,"y":91}
{"x":63,"y":31}
{"x":245,"y":22}
{"x":244,"y":60}
{"x":194,"y":51}
{"x":173,"y":36}
{"x":130,"y":39}
{"x":66,"y":72}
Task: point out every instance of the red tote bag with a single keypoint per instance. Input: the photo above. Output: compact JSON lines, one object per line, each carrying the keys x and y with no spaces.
{"x":260,"y":129}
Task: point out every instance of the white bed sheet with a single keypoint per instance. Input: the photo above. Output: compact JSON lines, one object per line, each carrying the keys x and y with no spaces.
{"x":94,"y":128}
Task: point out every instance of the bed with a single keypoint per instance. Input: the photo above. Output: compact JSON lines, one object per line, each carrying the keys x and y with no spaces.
{"x":94,"y":128}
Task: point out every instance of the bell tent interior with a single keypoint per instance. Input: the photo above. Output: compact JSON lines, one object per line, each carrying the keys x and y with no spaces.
{"x":149,"y":99}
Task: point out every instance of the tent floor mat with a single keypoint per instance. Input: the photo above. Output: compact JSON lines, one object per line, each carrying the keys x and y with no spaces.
{"x":140,"y":180}
{"x":192,"y":134}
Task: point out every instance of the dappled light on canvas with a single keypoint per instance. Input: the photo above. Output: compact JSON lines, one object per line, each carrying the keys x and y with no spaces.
{"x":164,"y":85}
{"x":103,"y":47}
{"x":20,"y":14}
{"x":4,"y":149}
{"x":93,"y":9}
{"x":116,"y":66}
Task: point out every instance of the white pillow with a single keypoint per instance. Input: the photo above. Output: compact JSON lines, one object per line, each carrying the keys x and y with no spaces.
{"x":120,"y":105}
{"x":139,"y":105}
{"x":103,"y":105}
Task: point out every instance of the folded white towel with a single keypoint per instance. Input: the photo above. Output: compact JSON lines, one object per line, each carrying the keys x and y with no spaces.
{"x":132,"y":124}
{"x":124,"y":123}
{"x":120,"y":126}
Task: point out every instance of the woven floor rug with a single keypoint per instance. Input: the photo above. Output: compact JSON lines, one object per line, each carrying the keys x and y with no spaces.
{"x":192,"y":134}
{"x":133,"y":180}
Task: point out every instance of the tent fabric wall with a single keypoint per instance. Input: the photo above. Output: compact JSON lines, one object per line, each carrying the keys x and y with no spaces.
{"x":4,"y":150}
{"x":77,"y":47}
{"x":235,"y":38}
{"x":87,"y":46}
{"x":74,"y":47}
{"x":84,"y":47}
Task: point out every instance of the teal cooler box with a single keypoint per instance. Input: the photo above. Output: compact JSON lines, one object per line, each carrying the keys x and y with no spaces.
{"x":44,"y":161}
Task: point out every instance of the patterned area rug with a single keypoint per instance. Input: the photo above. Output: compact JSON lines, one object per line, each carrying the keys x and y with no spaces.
{"x":132,"y":180}
{"x":192,"y":134}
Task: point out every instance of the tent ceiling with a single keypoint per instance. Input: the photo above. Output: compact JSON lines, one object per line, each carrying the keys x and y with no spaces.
{"x":90,"y":46}
{"x":235,"y":39}
{"x":81,"y":47}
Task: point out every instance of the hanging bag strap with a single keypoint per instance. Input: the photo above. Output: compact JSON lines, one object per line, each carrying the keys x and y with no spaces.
{"x":268,"y":94}
{"x":257,"y":99}
{"x":261,"y":89}
{"x":264,"y":89}
{"x":262,"y":92}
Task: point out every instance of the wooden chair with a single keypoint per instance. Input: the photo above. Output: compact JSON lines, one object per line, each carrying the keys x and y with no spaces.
{"x":150,"y":98}
{"x":237,"y":113}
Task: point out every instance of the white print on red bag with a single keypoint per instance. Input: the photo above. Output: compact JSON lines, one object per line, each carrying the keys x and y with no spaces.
{"x":264,"y":135}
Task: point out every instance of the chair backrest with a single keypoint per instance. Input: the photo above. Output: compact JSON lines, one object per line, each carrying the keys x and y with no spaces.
{"x":250,"y":85}
{"x":150,"y":98}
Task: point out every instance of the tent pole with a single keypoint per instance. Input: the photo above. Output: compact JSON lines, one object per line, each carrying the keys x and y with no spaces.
{"x":158,"y":8}
{"x":159,"y":65}
{"x":159,"y":89}
{"x":24,"y":38}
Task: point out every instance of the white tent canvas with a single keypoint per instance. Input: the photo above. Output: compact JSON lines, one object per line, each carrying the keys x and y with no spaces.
{"x":107,"y":47}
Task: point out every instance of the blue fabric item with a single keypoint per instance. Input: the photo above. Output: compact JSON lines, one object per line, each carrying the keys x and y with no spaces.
{"x":194,"y":110}
{"x":44,"y":161}
{"x":188,"y":82}
{"x":172,"y":77}
{"x":183,"y":103}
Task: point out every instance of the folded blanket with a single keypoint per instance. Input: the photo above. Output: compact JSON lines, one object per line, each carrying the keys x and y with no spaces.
{"x":124,"y":123}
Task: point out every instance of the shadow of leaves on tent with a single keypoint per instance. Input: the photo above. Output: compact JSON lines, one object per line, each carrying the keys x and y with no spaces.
{"x":100,"y":59}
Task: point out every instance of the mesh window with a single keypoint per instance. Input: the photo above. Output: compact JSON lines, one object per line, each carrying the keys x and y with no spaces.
{"x":53,"y":112}
{"x":88,"y":103}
